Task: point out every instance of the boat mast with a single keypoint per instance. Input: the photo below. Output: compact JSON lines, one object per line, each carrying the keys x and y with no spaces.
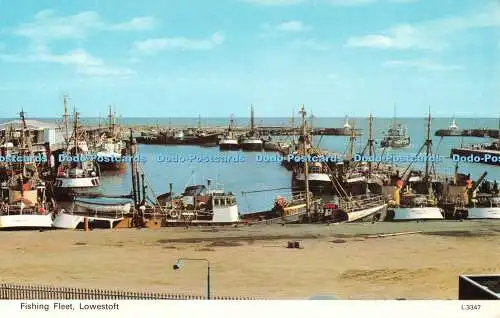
{"x":428,"y":143}
{"x":75,"y":131}
{"x":252,"y":120}
{"x":132,"y":167}
{"x":66,"y":120}
{"x":231,"y":126}
{"x":111,"y":122}
{"x":23,"y":145}
{"x":352,"y":141}
{"x":306,"y":164}
{"x":371,"y":149}
{"x":394,"y":118}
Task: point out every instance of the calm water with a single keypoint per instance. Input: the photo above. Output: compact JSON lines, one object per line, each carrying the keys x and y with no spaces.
{"x":252,"y":175}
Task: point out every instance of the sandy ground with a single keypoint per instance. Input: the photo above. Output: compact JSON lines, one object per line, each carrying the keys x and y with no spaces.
{"x":343,"y":260}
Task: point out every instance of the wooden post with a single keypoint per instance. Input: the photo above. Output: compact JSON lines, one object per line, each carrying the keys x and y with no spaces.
{"x":86,"y":224}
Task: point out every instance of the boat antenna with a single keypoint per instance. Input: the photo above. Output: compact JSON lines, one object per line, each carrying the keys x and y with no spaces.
{"x":302,"y":112}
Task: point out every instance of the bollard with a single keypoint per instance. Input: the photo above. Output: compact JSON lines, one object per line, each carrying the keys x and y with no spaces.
{"x":86,"y":224}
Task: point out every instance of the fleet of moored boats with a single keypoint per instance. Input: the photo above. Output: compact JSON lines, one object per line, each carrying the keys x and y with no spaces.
{"x":54,"y":194}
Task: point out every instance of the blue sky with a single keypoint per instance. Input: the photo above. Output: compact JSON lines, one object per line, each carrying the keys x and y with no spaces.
{"x":181,"y":58}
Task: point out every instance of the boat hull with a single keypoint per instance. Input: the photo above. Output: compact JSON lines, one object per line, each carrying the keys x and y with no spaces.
{"x":395,"y":144}
{"x":66,"y":188}
{"x":419,"y":213}
{"x":251,"y":146}
{"x":318,"y":182}
{"x":229,"y":146}
{"x":366,"y":213}
{"x":112,"y":166}
{"x":65,"y":220}
{"x":484,"y":213}
{"x":316,"y":186}
{"x":25,"y":221}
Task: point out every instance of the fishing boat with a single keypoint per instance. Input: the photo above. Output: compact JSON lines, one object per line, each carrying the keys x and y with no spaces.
{"x":484,"y":206}
{"x":78,"y":176}
{"x":396,"y":136}
{"x":23,"y":204}
{"x":366,"y":207}
{"x":415,"y":196}
{"x":472,"y":200}
{"x":417,"y":207}
{"x":301,"y":207}
{"x":179,"y":134}
{"x":110,"y":150}
{"x":252,"y":142}
{"x":319,"y":178}
{"x":202,"y":205}
{"x":228,"y":142}
{"x":296,"y":208}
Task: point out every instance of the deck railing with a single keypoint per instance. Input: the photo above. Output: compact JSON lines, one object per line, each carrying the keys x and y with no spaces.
{"x":17,"y":291}
{"x":7,"y":209}
{"x":360,"y":202}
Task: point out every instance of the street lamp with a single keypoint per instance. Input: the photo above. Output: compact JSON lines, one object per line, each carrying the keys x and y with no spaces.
{"x":180,"y":263}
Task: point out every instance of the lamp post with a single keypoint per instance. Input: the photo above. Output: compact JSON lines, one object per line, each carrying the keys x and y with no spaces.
{"x":180,"y":263}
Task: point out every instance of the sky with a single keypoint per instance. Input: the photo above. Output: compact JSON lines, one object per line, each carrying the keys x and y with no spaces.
{"x":214,"y":58}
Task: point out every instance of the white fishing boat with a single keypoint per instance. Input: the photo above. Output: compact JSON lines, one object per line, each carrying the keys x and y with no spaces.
{"x":71,"y":181}
{"x":200,"y":205}
{"x":22,"y":216}
{"x":319,"y":178}
{"x":252,"y":142}
{"x":229,"y":143}
{"x":484,"y":207}
{"x":484,"y":213}
{"x":417,"y":213}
